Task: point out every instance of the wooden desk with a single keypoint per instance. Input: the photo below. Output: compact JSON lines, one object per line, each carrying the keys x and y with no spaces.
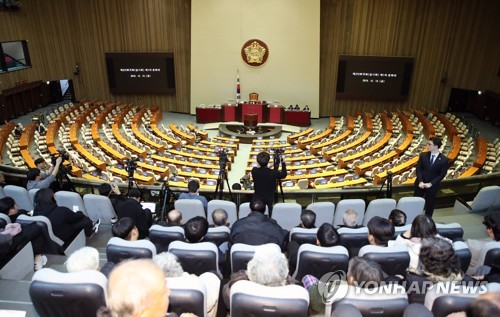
{"x":141,"y":137}
{"x":27,"y":136}
{"x":154,"y":120}
{"x":184,"y":163}
{"x":379,"y":178}
{"x":260,"y":109}
{"x":27,"y":158}
{"x":328,"y":154}
{"x":345,"y":160}
{"x":202,"y":134}
{"x":294,"y":137}
{"x":297,"y":117}
{"x":5,"y":131}
{"x":112,"y":151}
{"x":363,"y":168}
{"x":208,"y":114}
{"x":325,"y":174}
{"x":429,"y":130}
{"x":406,"y":143}
{"x":353,"y":182}
{"x":148,"y":180}
{"x":116,"y":132}
{"x":89,"y":157}
{"x":407,"y":126}
{"x":300,"y":167}
{"x":482,"y":152}
{"x":186,"y":137}
{"x":303,"y":143}
{"x":456,"y":144}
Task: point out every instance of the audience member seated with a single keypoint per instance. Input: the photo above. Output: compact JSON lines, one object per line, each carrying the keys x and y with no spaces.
{"x":19,"y":235}
{"x":267,"y":267}
{"x":492,"y":225}
{"x":350,"y":219}
{"x":257,"y":228}
{"x":37,"y":180}
{"x":422,"y":227}
{"x":327,"y":236}
{"x":486,"y":305}
{"x":171,"y":266}
{"x":174,"y":218}
{"x":361,"y":273}
{"x":194,"y":188}
{"x":132,"y":208}
{"x":397,"y":217}
{"x":380,"y":231}
{"x":136,"y":288}
{"x":219,"y":217}
{"x":112,"y":192}
{"x":66,"y":223}
{"x":439,"y":263}
{"x":195,"y":229}
{"x":83,"y":259}
{"x":308,"y":219}
{"x":125,"y":229}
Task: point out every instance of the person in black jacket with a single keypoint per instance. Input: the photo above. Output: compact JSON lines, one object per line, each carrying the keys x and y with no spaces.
{"x":265,"y":179}
{"x":257,"y":228}
{"x":66,"y":223}
{"x":431,"y":169}
{"x":132,"y":208}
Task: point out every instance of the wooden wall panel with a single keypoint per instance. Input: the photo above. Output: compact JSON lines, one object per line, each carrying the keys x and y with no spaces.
{"x":458,"y":38}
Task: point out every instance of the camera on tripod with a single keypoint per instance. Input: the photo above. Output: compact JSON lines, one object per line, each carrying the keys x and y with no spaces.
{"x":277,"y":157}
{"x":223,"y":158}
{"x":131,"y":165}
{"x":63,"y":168}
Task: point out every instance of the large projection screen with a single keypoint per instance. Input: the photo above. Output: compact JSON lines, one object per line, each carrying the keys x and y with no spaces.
{"x":374,"y":77}
{"x":141,"y":72}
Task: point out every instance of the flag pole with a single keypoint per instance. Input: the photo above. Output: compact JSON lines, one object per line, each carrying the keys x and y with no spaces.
{"x":238,"y":95}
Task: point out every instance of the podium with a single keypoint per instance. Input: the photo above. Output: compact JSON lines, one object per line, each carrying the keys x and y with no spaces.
{"x":231,"y":112}
{"x":275,"y":113}
{"x":258,"y":108}
{"x":208,"y":114}
{"x":298,"y":117}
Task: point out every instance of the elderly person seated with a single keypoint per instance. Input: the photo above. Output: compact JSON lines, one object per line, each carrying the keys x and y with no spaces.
{"x":219,"y":217}
{"x":350,"y":219}
{"x":83,"y":259}
{"x":268,"y":267}
{"x":171,"y":266}
{"x":439,"y":263}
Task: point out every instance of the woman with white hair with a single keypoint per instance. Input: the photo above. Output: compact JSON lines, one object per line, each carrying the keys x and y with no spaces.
{"x":86,"y":258}
{"x":170,"y":265}
{"x":268,"y":267}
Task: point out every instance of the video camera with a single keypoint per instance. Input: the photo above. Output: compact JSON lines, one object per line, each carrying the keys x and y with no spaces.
{"x":223,"y":158}
{"x":63,"y":168}
{"x":277,"y":156}
{"x":131,"y":165}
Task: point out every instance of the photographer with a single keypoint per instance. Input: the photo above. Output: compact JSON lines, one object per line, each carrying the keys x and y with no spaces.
{"x":265,"y":179}
{"x":36,"y":180}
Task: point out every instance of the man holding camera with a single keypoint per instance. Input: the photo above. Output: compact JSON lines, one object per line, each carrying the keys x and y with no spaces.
{"x":265,"y":179}
{"x":37,"y":180}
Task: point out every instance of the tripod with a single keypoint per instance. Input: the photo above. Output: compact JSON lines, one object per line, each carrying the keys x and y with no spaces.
{"x":220,"y":182}
{"x":165,"y":202}
{"x":388,"y":180}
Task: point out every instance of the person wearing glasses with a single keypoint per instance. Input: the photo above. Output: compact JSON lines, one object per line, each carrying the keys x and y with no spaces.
{"x":431,"y":169}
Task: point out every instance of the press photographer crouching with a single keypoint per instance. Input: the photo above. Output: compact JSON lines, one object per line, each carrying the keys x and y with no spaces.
{"x":265,"y":179}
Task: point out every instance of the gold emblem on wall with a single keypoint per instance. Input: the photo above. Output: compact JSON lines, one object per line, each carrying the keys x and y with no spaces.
{"x":254,"y":52}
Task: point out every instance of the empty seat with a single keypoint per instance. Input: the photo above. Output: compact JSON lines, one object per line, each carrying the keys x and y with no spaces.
{"x":353,"y":239}
{"x":485,"y":199}
{"x":451,"y":231}
{"x":187,"y":297}
{"x":303,"y":235}
{"x":70,"y":200}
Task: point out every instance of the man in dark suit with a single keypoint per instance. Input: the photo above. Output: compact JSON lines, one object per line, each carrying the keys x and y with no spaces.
{"x":431,"y":169}
{"x":265,"y":179}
